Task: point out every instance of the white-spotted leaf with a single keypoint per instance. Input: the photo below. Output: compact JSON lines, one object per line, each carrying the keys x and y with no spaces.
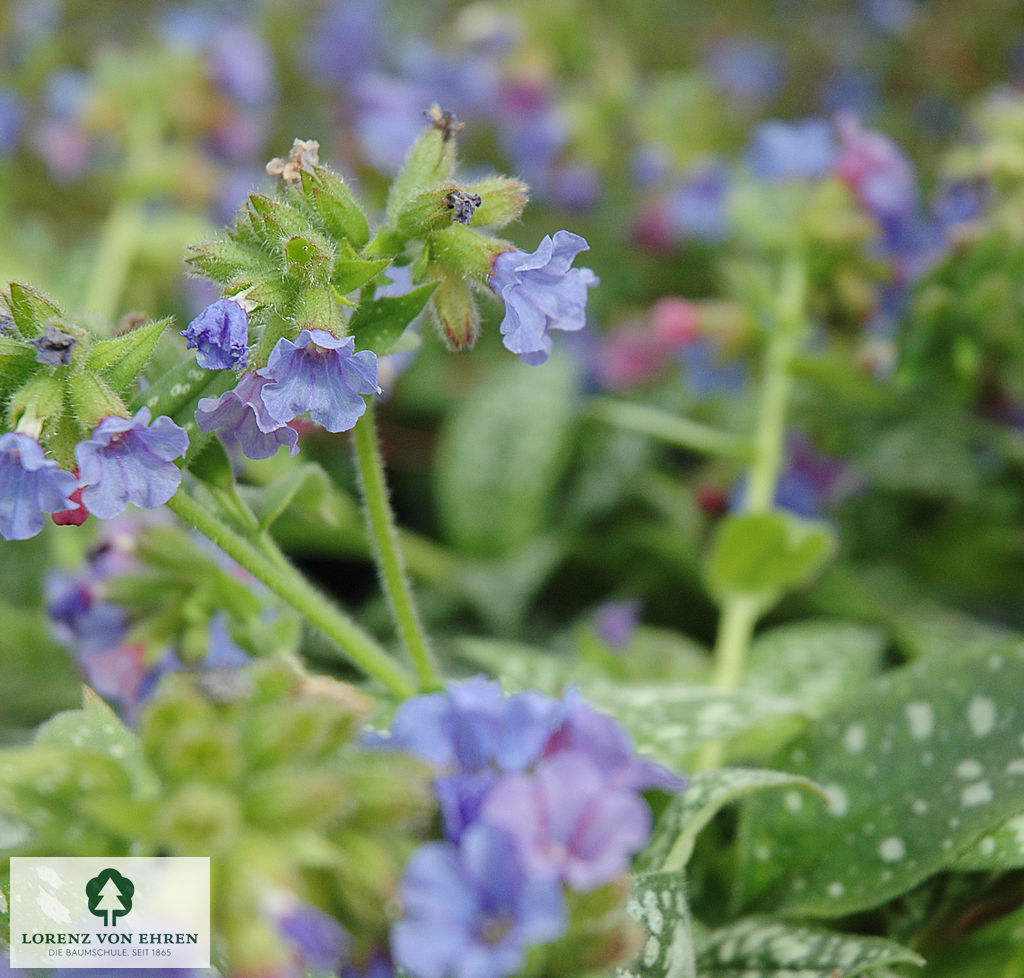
{"x":772,"y":949}
{"x":659,"y":903}
{"x":673,"y":837}
{"x":918,"y":765}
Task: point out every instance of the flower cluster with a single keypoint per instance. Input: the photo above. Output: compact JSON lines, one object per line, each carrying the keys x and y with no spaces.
{"x":537,"y":795}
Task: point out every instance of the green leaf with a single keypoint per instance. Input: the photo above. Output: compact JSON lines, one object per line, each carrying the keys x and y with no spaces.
{"x":1001,"y":849}
{"x":30,"y":309}
{"x":818,"y":661}
{"x":659,"y":903}
{"x":501,"y":455}
{"x":766,"y":554}
{"x":378,"y":325}
{"x":335,"y":206}
{"x":97,"y":729}
{"x":274,"y":499}
{"x":353,"y":273}
{"x":673,"y":838}
{"x":176,"y":392}
{"x":772,"y":949}
{"x":229,"y":261}
{"x":120,"y":359}
{"x":918,"y":765}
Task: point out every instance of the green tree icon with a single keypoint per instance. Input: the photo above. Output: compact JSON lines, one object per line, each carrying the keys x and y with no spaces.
{"x":110,"y":896}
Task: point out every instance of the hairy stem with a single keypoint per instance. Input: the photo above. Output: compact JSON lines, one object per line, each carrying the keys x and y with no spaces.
{"x":287,"y":583}
{"x":383,"y":535}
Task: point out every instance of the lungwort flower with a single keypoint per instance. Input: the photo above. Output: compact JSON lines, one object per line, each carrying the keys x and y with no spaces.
{"x":30,"y":485}
{"x":220,"y":336}
{"x":128,"y":460}
{"x":242,"y":419}
{"x":321,"y":374}
{"x":541,"y":293}
{"x":471,"y":911}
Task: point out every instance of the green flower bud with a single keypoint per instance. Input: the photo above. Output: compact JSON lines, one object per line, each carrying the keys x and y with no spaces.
{"x":287,"y":797}
{"x":430,"y":163}
{"x":42,"y":397}
{"x":454,"y":308}
{"x":429,"y":210}
{"x":470,"y":253}
{"x":502,"y":200}
{"x":199,"y":819}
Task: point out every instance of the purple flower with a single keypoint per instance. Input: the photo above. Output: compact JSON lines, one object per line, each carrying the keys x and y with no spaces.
{"x":321,"y":374}
{"x":541,"y":293}
{"x":242,"y":64}
{"x":616,"y":622}
{"x":80,"y":620}
{"x":586,"y":732}
{"x":128,"y":460}
{"x":749,"y":70}
{"x":792,"y":150}
{"x":219,"y":335}
{"x":30,"y":485}
{"x":473,"y":726}
{"x":470,"y":910}
{"x":320,"y":941}
{"x":876,"y":170}
{"x":243,"y":421}
{"x":569,"y":822}
{"x":698,"y":207}
{"x":12,"y":116}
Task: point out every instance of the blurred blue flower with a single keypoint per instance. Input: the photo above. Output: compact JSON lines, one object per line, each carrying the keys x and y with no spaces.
{"x":220,"y":336}
{"x":243,"y":422}
{"x":533,"y":132}
{"x":849,"y":89}
{"x":570,"y":821}
{"x":80,"y":619}
{"x":706,"y":370}
{"x":749,"y":70}
{"x":12,"y":117}
{"x":319,"y":940}
{"x":877,"y":171}
{"x":321,"y":374}
{"x":575,"y":186}
{"x":347,"y":39}
{"x":242,"y":64}
{"x":128,"y":460}
{"x":792,"y":150}
{"x":471,"y":911}
{"x":616,"y":622}
{"x":891,"y":16}
{"x":30,"y":485}
{"x":541,"y":292}
{"x":698,"y":207}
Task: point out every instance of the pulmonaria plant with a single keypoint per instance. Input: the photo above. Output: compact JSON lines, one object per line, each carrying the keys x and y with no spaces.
{"x":550,"y":788}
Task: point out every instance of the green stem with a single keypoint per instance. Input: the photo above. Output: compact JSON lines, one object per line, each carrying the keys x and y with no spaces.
{"x":740,"y":612}
{"x":390,"y":563}
{"x":288,"y":584}
{"x":666,"y":427}
{"x":114,"y":256}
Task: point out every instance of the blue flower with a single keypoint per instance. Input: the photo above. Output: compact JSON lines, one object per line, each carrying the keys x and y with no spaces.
{"x":243,"y":421}
{"x":30,"y":485}
{"x":127,"y":460}
{"x":220,"y":336}
{"x":470,"y":910}
{"x":321,"y":374}
{"x":791,"y":150}
{"x":570,"y":821}
{"x":541,"y":293}
{"x":319,"y":940}
{"x":699,"y":206}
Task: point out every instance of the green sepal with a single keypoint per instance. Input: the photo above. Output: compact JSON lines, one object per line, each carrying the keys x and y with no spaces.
{"x":502,"y":200}
{"x":454,"y":308}
{"x":765,"y":554}
{"x":91,"y":400}
{"x":43,"y":396}
{"x":120,"y":359}
{"x":229,"y":261}
{"x":274,"y":221}
{"x":17,"y":364}
{"x":352,"y":274}
{"x":430,"y":163}
{"x":467,"y":251}
{"x":377,"y":325}
{"x":334,"y":205}
{"x":30,"y":309}
{"x":424,"y":212}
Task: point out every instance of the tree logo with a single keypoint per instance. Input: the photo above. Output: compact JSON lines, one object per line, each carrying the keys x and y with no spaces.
{"x":110,"y":896}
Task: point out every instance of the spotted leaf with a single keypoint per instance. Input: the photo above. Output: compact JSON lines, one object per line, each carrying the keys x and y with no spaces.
{"x":769,"y":949}
{"x":659,"y":903}
{"x":918,"y":765}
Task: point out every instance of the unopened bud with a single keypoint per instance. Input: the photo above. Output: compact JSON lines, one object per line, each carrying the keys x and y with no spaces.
{"x":454,"y":308}
{"x":470,"y":253}
{"x":430,"y":163}
{"x":502,"y":200}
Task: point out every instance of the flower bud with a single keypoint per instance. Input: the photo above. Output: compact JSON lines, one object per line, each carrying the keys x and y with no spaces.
{"x":502,"y":200}
{"x":470,"y":253}
{"x":200,"y":819}
{"x":454,"y":308}
{"x":430,"y":163}
{"x":429,"y":210}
